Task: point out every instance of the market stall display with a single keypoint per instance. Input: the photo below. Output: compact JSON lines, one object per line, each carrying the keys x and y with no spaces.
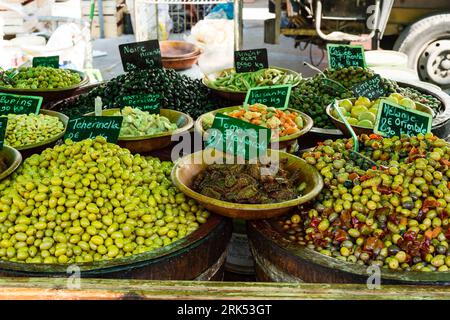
{"x":233,"y":86}
{"x":189,"y":167}
{"x":394,"y":217}
{"x":143,"y":132}
{"x":286,"y":134}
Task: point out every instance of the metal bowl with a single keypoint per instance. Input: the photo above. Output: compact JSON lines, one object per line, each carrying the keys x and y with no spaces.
{"x":236,"y":96}
{"x":13,"y":160}
{"x":284,"y":143}
{"x":51,"y":95}
{"x":362,"y":130}
{"x":144,"y":144}
{"x":31,"y":149}
{"x":188,"y":167}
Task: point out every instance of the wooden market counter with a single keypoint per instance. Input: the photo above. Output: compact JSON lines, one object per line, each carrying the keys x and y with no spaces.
{"x":106,"y":289}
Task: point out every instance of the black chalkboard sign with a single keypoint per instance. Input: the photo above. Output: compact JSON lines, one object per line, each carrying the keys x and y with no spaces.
{"x":272,"y":96}
{"x":250,"y":60}
{"x":3,"y":124}
{"x":395,"y":120}
{"x":238,"y":137}
{"x":50,"y":61}
{"x":90,"y":127}
{"x":18,"y":104}
{"x":343,"y":56}
{"x":140,"y":55}
{"x":371,"y":88}
{"x":145,"y":102}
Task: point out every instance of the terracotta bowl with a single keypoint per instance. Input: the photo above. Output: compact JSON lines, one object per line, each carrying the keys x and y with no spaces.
{"x":174,"y":49}
{"x":188,"y":167}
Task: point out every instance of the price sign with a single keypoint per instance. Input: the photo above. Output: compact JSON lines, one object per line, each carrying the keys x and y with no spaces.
{"x":372,"y":88}
{"x":145,"y":102}
{"x":50,"y":61}
{"x":395,"y":120}
{"x":238,"y":137}
{"x":343,"y":56}
{"x":250,"y":60}
{"x":273,"y":96}
{"x":140,"y":55}
{"x":90,"y":127}
{"x":3,"y":124}
{"x":17,"y":104}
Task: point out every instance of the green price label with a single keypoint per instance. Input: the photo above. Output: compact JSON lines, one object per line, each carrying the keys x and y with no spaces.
{"x":395,"y":120}
{"x":17,"y":104}
{"x":90,"y":127}
{"x":3,"y":124}
{"x":343,"y":56}
{"x":372,"y":88}
{"x":238,"y":137}
{"x":50,"y":61}
{"x":273,"y":96}
{"x":145,"y":102}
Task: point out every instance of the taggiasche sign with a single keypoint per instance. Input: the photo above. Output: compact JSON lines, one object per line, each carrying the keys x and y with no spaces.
{"x":238,"y":137}
{"x":50,"y":61}
{"x":343,"y":56}
{"x":395,"y":120}
{"x":140,"y":55}
{"x":271,"y":96}
{"x":250,"y":60}
{"x":18,"y":104}
{"x":90,"y":127}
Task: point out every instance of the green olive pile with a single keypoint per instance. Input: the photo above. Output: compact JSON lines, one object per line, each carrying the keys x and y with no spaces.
{"x":178,"y":92}
{"x":39,"y":78}
{"x":426,"y":99}
{"x":396,"y":216}
{"x":27,"y":129}
{"x":313,"y":95}
{"x":90,"y":201}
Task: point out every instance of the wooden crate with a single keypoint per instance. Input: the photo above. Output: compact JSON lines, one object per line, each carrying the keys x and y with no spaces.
{"x":113,"y":21}
{"x":14,"y":22}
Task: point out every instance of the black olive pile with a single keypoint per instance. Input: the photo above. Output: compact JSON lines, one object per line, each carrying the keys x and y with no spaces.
{"x":178,"y":92}
{"x":313,"y":95}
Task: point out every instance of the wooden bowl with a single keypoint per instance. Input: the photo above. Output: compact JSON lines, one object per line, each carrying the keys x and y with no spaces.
{"x":144,"y":144}
{"x":284,"y":143}
{"x":31,"y":149}
{"x":180,"y":63}
{"x":236,"y":96}
{"x":174,"y":49}
{"x":13,"y":160}
{"x":278,"y":259}
{"x":188,"y":167}
{"x":362,"y":130}
{"x":51,"y":96}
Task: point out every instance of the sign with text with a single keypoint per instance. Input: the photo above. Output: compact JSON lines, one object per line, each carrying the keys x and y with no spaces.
{"x":343,"y":56}
{"x":50,"y":61}
{"x":238,"y":137}
{"x":90,"y":127}
{"x":17,"y":104}
{"x":144,"y":102}
{"x":395,"y":120}
{"x":250,"y":60}
{"x":273,"y":96}
{"x":3,"y":124}
{"x":372,"y":88}
{"x":140,"y":55}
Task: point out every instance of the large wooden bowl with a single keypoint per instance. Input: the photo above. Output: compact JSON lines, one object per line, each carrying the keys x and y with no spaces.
{"x":232,"y":95}
{"x":188,"y":167}
{"x":198,"y":256}
{"x":145,"y":144}
{"x":284,"y":143}
{"x":176,"y":49}
{"x":31,"y":149}
{"x":13,"y":160}
{"x":280,"y":260}
{"x":362,"y":130}
{"x":51,"y":96}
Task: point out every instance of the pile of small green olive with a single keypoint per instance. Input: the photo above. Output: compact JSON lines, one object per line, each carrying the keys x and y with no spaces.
{"x":27,"y":129}
{"x":39,"y":78}
{"x":395,"y":215}
{"x":89,"y":201}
